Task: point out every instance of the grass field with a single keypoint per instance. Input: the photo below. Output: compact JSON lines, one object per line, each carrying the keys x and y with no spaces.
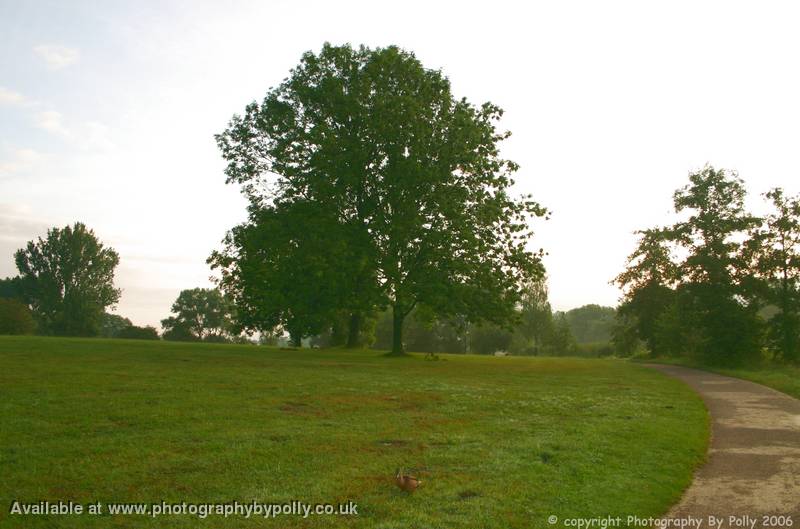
{"x":499,"y":442}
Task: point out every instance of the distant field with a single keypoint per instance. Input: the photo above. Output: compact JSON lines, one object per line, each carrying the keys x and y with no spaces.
{"x":499,"y":442}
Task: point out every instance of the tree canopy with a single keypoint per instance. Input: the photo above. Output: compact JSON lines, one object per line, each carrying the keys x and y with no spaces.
{"x":536,"y":326}
{"x":381,"y":145}
{"x":696,"y":287}
{"x":112,"y":325}
{"x":774,"y":248}
{"x":591,"y":323}
{"x":68,"y":280}
{"x":292,"y":266}
{"x":15,"y":317}
{"x":200,"y":314}
{"x":12,"y":288}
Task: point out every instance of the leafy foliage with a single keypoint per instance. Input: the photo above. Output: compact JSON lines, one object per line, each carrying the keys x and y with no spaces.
{"x":113,"y":324}
{"x":68,"y":279}
{"x":690,"y":288}
{"x":380,"y":144}
{"x":133,"y":332}
{"x":15,"y":317}
{"x":12,"y":288}
{"x":591,"y":323}
{"x":535,"y":326}
{"x":290,"y":266}
{"x":562,"y":342}
{"x":774,"y":249}
{"x":715,"y":270}
{"x":200,"y":314}
{"x":487,"y":338}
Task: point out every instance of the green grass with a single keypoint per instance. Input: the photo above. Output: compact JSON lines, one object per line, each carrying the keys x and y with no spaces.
{"x":499,"y":442}
{"x":784,"y":378}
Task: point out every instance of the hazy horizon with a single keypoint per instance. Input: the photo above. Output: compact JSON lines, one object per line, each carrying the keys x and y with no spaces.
{"x":109,"y":111}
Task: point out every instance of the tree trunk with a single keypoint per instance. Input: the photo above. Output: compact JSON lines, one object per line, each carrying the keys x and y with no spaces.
{"x":354,"y":331}
{"x":297,"y":340}
{"x":397,"y":332}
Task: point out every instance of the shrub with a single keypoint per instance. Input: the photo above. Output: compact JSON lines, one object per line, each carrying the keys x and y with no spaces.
{"x":138,"y":333}
{"x":15,"y":317}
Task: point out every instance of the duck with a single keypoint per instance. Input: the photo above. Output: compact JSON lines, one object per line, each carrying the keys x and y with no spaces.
{"x":406,"y":482}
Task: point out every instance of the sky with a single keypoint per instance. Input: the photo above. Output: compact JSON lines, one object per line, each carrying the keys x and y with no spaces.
{"x":108,"y":111}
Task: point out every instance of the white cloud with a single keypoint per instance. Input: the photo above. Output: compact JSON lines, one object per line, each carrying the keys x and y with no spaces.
{"x":20,"y":160}
{"x":10,"y":97}
{"x":52,"y":121}
{"x":56,"y":56}
{"x":87,"y":136}
{"x":95,"y":137}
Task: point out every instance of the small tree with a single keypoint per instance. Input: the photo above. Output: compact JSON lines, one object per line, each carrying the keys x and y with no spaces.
{"x":200,"y":314}
{"x":624,"y":336}
{"x":68,"y":279}
{"x":562,"y":342}
{"x":647,"y":283}
{"x":113,"y":324}
{"x":536,"y":317}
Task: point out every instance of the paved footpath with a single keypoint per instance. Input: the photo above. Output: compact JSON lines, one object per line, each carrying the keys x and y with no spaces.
{"x":753,"y":467}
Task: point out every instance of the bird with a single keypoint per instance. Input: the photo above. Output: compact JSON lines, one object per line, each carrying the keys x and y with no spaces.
{"x":405,"y":482}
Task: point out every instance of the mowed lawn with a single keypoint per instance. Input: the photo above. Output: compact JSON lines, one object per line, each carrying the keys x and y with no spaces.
{"x":498,"y":442}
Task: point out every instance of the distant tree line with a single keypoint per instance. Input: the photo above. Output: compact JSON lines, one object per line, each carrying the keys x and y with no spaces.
{"x":535,"y":330}
{"x":721,"y":284}
{"x":49,"y":297}
{"x":66,"y":284}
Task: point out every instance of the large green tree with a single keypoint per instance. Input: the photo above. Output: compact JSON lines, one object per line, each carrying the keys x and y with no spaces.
{"x":68,"y":280}
{"x":381,"y":143}
{"x":715,"y":270}
{"x":709,"y":310}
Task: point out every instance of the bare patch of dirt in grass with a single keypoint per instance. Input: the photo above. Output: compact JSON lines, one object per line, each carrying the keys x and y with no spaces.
{"x":393,"y":442}
{"x":300,"y":408}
